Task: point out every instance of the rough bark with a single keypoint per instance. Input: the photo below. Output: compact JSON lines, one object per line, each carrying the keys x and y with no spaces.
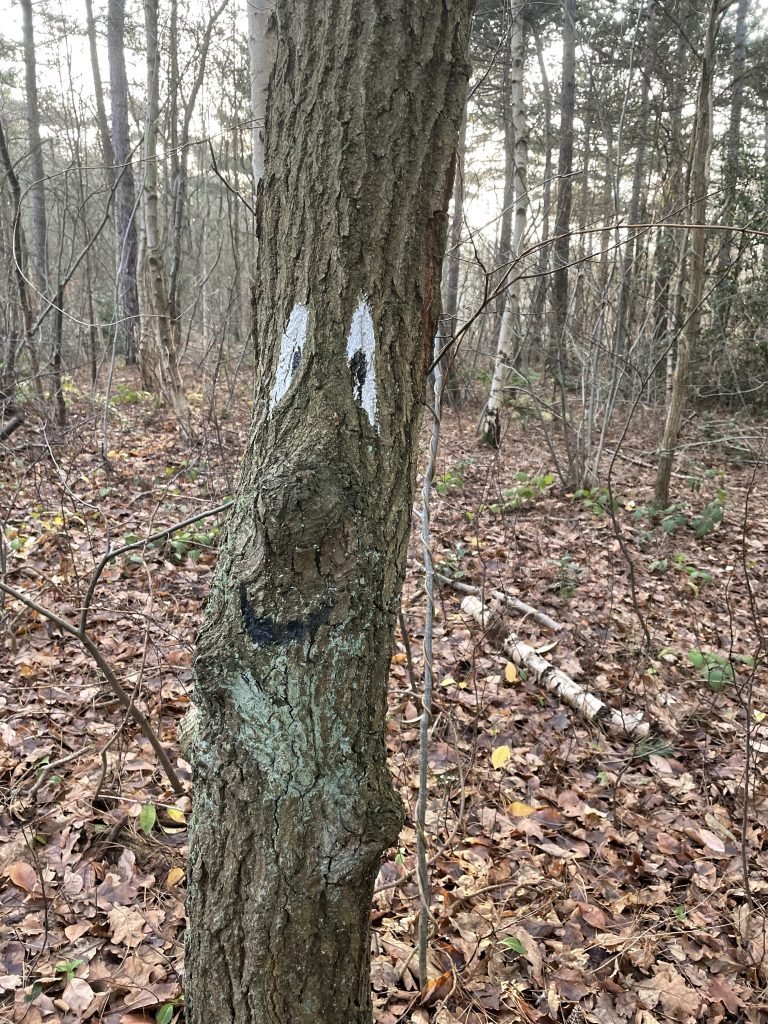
{"x":293,"y":800}
{"x":126,"y":243}
{"x":699,"y":184}
{"x":510,"y":325}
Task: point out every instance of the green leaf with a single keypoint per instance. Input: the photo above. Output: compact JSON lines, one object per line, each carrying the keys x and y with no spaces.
{"x":147,"y":818}
{"x":512,"y":942}
{"x":696,"y":658}
{"x":165,"y":1014}
{"x":34,"y":992}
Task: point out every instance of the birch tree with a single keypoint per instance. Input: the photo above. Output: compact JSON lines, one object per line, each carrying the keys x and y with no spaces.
{"x":293,"y":799}
{"x":158,"y":352}
{"x":697,"y":199}
{"x":510,"y":321}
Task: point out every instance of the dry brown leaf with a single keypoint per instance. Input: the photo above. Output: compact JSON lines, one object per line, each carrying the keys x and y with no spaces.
{"x":23,"y":876}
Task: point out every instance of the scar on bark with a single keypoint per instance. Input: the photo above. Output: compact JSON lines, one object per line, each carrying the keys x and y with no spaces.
{"x":266,"y":631}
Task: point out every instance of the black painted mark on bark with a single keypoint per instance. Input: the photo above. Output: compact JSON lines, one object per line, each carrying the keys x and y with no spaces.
{"x":295,"y":361}
{"x":264,"y":631}
{"x":358,"y":364}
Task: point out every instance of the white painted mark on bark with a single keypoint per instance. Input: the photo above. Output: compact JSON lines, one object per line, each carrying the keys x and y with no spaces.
{"x":291,"y":348}
{"x":361,"y":353}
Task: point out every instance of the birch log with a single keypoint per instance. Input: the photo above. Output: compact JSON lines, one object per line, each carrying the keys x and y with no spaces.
{"x":590,"y":707}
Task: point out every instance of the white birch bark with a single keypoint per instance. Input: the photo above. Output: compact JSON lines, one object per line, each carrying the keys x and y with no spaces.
{"x":261,"y":53}
{"x":590,"y":707}
{"x":491,"y":428}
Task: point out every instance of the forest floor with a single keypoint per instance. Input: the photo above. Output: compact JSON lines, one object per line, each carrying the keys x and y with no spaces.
{"x":577,"y":875}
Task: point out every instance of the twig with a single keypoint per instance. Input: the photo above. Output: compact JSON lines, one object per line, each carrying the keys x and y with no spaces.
{"x":112,"y":681}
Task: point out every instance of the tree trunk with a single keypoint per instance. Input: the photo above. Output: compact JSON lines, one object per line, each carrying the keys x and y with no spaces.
{"x":727,"y":268}
{"x":8,"y":381}
{"x":101,"y":112}
{"x":673,"y":199}
{"x":624,"y":314}
{"x":161,"y":332}
{"x":37,"y":186}
{"x":510,"y":326}
{"x":540,"y":294}
{"x":261,"y":45}
{"x":699,"y":183}
{"x":293,"y":800}
{"x":125,"y":198}
{"x":562,"y":246}
{"x":452,"y":269}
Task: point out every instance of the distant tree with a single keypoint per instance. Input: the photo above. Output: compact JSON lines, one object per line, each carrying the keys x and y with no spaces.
{"x":293,"y":799}
{"x":126,"y":238}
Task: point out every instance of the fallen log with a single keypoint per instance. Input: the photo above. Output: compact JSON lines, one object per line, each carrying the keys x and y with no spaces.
{"x":499,"y":595}
{"x":625,"y":723}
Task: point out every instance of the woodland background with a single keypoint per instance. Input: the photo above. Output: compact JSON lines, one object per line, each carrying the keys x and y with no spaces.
{"x":605,"y":304}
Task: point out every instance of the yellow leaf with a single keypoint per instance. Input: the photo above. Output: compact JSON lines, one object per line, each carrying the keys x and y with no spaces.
{"x":520,"y":810}
{"x":176,"y":815}
{"x":500,"y":756}
{"x":510,"y":672}
{"x":758,"y":715}
{"x":175,"y":875}
{"x":448,"y":681}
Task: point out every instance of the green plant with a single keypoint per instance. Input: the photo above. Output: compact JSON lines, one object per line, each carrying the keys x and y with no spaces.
{"x":653,"y":745}
{"x":528,"y":489}
{"x":122,"y":394}
{"x":568,"y":577}
{"x":596,"y":500}
{"x":709,"y":517}
{"x":715,"y":669}
{"x":453,"y":478}
{"x":696,"y":577}
{"x":68,"y":968}
{"x":449,"y":563}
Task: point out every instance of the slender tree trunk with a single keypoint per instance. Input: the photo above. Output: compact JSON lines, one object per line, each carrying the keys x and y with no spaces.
{"x":261,"y":47}
{"x":699,"y":183}
{"x":624,"y":314}
{"x":180,"y":160}
{"x":540,"y":294}
{"x":562,"y":246}
{"x":673,"y":198}
{"x":509,"y":331}
{"x":293,"y":799}
{"x":37,"y":186}
{"x":101,"y":112}
{"x":165,"y":353}
{"x":126,"y":244}
{"x":727,"y":267}
{"x":8,"y":384}
{"x":452,"y":268}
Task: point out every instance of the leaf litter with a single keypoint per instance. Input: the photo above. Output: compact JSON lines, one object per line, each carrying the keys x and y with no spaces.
{"x":575,"y":876}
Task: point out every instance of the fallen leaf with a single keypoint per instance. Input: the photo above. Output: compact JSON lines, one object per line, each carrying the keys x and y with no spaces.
{"x":500,"y":756}
{"x":23,"y":876}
